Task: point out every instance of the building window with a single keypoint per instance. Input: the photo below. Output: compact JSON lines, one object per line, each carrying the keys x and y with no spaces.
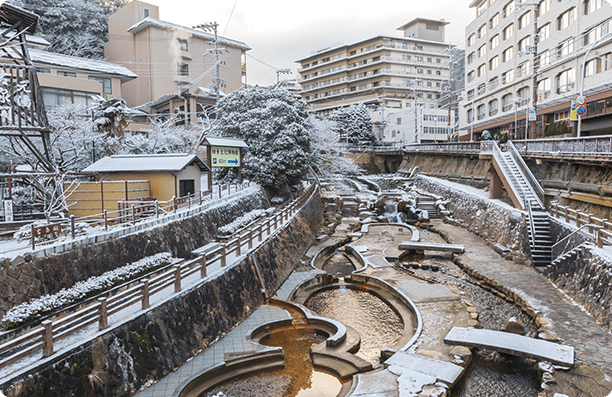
{"x":438,"y":60}
{"x":399,"y":121}
{"x":545,"y":58}
{"x":494,"y":62}
{"x":544,"y":32}
{"x":522,"y":95}
{"x":471,"y":57}
{"x":481,"y":70}
{"x":543,"y":89}
{"x":470,"y":76}
{"x":438,"y":73}
{"x":494,"y":83}
{"x":524,"y":20}
{"x":565,"y":48}
{"x":591,"y":68}
{"x":508,"y":54}
{"x":565,"y":81}
{"x":186,"y":187}
{"x":493,"y":107}
{"x":543,"y":7}
{"x":481,"y":8}
{"x":493,"y":22}
{"x":523,"y":43}
{"x":482,"y":31}
{"x":53,"y":97}
{"x":507,"y":102}
{"x":495,"y":41}
{"x":508,"y":9}
{"x":43,"y":71}
{"x":429,"y":71}
{"x":482,"y":51}
{"x":183,"y":69}
{"x":429,"y":84}
{"x":480,"y":110}
{"x":146,"y":12}
{"x":429,"y":96}
{"x":593,"y":35}
{"x":429,"y":59}
{"x":566,"y":19}
{"x":481,"y":89}
{"x":420,"y":59}
{"x":183,"y":45}
{"x":419,"y":71}
{"x":106,"y":83}
{"x":523,"y":69}
{"x":470,"y":115}
{"x":508,"y":77}
{"x":470,"y":94}
{"x":66,"y":74}
{"x":508,"y":31}
{"x":407,"y":70}
{"x":592,"y":6}
{"x":471,"y":39}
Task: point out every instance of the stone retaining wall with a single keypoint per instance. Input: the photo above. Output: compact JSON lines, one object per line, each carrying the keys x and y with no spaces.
{"x":22,"y":280}
{"x":502,"y":227}
{"x":155,"y":343}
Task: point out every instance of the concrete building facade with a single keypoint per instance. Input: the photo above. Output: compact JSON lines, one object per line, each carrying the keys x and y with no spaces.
{"x":167,"y":57}
{"x":500,"y":59}
{"x":391,"y":75}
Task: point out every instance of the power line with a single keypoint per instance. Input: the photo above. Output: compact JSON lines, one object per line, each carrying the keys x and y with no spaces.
{"x":230,"y":18}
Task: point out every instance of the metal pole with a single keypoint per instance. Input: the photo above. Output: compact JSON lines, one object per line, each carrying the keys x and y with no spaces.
{"x":534,"y":99}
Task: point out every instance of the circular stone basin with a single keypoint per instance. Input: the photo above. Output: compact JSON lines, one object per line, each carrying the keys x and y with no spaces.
{"x":377,"y":322}
{"x":338,"y":265}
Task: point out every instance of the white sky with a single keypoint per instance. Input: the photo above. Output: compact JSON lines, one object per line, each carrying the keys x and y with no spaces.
{"x":280,"y":32}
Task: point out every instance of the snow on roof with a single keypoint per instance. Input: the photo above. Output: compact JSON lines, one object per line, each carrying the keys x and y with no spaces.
{"x":227,"y":142}
{"x":149,"y":21}
{"x":145,"y":163}
{"x":69,"y":61}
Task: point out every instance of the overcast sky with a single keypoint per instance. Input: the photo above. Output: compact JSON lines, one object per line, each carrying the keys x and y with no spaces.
{"x":280,"y":32}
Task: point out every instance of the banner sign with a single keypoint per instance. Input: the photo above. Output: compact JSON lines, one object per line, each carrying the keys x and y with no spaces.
{"x":47,"y":229}
{"x":8,"y":210}
{"x":222,"y":156}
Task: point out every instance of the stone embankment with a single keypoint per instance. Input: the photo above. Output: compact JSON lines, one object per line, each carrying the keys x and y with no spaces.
{"x":23,"y":280}
{"x":123,"y":359}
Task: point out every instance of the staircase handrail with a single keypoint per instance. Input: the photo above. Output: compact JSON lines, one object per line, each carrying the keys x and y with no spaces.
{"x":589,"y":225}
{"x":531,"y":180}
{"x":531,"y":224}
{"x":490,"y":147}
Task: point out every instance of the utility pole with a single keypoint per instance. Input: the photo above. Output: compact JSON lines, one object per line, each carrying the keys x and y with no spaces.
{"x":217,"y":80}
{"x":384,"y":122}
{"x":281,"y":71}
{"x":416,"y":115}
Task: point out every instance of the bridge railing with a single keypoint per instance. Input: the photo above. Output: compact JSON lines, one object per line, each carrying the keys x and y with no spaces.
{"x":368,"y":148}
{"x":599,"y":147}
{"x":465,"y":148}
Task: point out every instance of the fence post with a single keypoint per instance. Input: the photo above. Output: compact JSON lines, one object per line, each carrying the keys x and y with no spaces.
{"x":72,"y":231}
{"x":238,"y":248}
{"x":220,"y":189}
{"x":156,"y":209}
{"x":203,"y":264}
{"x":260,"y":232}
{"x":103,"y":313}
{"x":557,"y":211}
{"x":33,"y":238}
{"x":250,"y":239}
{"x":223,"y":254}
{"x":578,"y":219}
{"x":105,"y":220}
{"x":174,"y":203}
{"x":47,"y":338}
{"x":189,"y":202}
{"x":590,"y":216}
{"x":599,"y":239}
{"x":567,"y":214}
{"x":275,"y":221}
{"x":177,"y":278}
{"x":145,"y":294}
{"x":133,"y":215}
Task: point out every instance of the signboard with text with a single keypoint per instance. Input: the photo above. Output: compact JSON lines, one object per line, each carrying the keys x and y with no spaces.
{"x":225,"y":156}
{"x":8,"y":210}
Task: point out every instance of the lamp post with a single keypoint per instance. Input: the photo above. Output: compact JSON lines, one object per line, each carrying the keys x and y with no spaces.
{"x":583,"y":75}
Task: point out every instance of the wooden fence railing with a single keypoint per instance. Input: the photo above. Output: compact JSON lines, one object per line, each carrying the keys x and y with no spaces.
{"x":602,"y":233}
{"x":49,"y":332}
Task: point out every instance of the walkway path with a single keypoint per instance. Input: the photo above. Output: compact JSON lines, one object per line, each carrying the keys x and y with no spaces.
{"x":593,"y":344}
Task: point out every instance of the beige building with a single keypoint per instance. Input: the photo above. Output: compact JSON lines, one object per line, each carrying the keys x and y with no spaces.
{"x":392,"y":75}
{"x":166,"y":56}
{"x":500,"y":63}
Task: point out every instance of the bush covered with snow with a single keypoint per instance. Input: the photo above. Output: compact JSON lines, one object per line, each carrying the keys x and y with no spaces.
{"x":241,"y":222}
{"x":81,"y":290}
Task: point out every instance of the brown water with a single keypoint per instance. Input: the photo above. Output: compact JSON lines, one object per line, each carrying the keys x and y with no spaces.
{"x":338,"y":265}
{"x":374,"y":319}
{"x":298,"y":379}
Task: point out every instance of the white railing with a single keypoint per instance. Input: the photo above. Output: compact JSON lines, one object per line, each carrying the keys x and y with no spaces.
{"x":529,"y":177}
{"x":599,"y":147}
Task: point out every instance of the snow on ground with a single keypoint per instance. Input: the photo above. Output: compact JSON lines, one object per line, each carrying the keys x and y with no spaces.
{"x":242,"y":221}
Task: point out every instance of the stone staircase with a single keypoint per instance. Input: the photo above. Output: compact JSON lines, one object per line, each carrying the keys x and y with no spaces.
{"x":428,"y":204}
{"x":541,"y":250}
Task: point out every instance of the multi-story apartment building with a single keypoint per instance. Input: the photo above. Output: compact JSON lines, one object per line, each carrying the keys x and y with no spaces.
{"x":392,"y":75}
{"x":500,"y":58}
{"x":166,"y":56}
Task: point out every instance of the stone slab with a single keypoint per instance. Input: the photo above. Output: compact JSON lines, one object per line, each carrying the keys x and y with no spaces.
{"x":425,"y":292}
{"x":443,"y":371}
{"x":377,"y":261}
{"x":514,"y":344}
{"x":360,"y":248}
{"x":420,"y":246}
{"x":377,"y":384}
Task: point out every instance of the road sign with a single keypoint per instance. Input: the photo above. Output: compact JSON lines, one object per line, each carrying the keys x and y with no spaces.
{"x":573,"y":114}
{"x":532,"y":114}
{"x":581,"y":100}
{"x":581,"y":110}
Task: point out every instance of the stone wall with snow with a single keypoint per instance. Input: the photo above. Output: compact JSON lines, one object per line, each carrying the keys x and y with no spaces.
{"x":123,"y":359}
{"x":24,"y":280}
{"x":500,"y":225}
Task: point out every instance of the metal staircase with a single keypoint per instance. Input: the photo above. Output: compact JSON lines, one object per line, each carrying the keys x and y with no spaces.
{"x":527,"y":194}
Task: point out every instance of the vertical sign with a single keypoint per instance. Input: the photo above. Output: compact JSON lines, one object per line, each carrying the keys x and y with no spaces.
{"x":8,"y":210}
{"x":573,"y":114}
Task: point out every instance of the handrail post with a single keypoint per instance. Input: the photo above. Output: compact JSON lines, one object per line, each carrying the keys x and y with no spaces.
{"x":105,"y":214}
{"x":203,"y":264}
{"x":567,"y":214}
{"x":133,"y":215}
{"x":174,"y":206}
{"x":578,"y":219}
{"x":72,"y":228}
{"x":599,"y":239}
{"x":276,"y":222}
{"x":47,"y":338}
{"x":223,"y":255}
{"x":250,"y":239}
{"x":33,"y":238}
{"x":238,"y":248}
{"x":590,"y":218}
{"x":156,"y":209}
{"x":145,"y":295}
{"x":103,"y":313}
{"x":220,"y":188}
{"x":260,"y":232}
{"x":177,"y":278}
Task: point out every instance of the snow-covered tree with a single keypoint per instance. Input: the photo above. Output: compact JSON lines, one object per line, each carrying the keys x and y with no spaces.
{"x":277,"y":129}
{"x":73,"y":27}
{"x":354,"y":124}
{"x":326,"y":155}
{"x":163,"y":137}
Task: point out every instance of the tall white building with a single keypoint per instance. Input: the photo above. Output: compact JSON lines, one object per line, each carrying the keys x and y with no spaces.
{"x":391,"y":75}
{"x":500,"y":59}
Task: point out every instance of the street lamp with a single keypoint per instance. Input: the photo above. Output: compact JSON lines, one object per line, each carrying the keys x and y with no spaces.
{"x":583,"y":75}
